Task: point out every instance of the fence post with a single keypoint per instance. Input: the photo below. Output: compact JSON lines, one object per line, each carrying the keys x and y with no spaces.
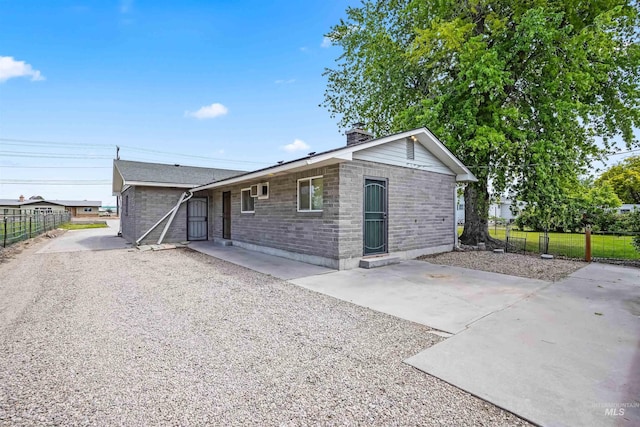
{"x":30,"y":231}
{"x":587,"y":243}
{"x":4,"y":242}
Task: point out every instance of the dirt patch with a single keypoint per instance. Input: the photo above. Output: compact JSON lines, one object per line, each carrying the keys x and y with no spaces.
{"x":532,"y":267}
{"x":10,"y":252}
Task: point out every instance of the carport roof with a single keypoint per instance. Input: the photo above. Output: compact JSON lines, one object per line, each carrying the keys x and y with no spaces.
{"x":127,"y":172}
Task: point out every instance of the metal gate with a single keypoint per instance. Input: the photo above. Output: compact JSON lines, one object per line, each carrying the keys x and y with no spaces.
{"x":375,"y":216}
{"x":197,"y":219}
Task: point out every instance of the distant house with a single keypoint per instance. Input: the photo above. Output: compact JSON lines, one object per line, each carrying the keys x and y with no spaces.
{"x":77,"y":208}
{"x":502,"y":209}
{"x":628,"y":207}
{"x":393,"y":195}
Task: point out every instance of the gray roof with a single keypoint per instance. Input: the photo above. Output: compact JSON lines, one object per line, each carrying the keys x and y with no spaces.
{"x":16,"y":202}
{"x":171,"y":174}
{"x":77,"y":203}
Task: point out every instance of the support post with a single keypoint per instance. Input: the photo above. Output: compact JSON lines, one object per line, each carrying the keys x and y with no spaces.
{"x":170,"y":221}
{"x":587,"y":243}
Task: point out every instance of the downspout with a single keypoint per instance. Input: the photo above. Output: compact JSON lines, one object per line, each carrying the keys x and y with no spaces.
{"x":172,"y":212}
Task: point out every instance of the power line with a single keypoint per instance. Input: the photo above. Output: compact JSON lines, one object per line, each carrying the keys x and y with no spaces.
{"x":75,"y":144}
{"x":54,"y":182}
{"x":11,"y":141}
{"x":55,"y":167}
{"x":53,"y":155}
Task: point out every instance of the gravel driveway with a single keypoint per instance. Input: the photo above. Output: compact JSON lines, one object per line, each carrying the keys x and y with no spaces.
{"x":175,"y":337}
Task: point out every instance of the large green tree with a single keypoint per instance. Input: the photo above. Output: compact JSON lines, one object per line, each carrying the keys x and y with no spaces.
{"x":520,"y":91}
{"x":624,"y":178}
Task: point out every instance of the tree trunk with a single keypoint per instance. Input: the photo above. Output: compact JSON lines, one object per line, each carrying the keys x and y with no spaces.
{"x":476,"y":214}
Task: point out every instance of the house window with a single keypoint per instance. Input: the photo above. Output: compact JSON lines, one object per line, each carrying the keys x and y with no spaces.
{"x":126,"y":205}
{"x":411,"y":150}
{"x":310,"y":194}
{"x":246,"y":201}
{"x":87,"y":209}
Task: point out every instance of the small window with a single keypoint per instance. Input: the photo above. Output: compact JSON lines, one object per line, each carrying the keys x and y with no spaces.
{"x":310,"y":194}
{"x":246,"y":201}
{"x":411,"y":150}
{"x":87,"y":210}
{"x":263,"y":190}
{"x":253,"y":191}
{"x":126,"y":205}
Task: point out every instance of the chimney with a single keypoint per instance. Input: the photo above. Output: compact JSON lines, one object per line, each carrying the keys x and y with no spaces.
{"x":357,"y":135}
{"x":21,"y":198}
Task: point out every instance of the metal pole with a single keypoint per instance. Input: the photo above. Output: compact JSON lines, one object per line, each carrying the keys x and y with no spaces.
{"x":4,"y":243}
{"x":173,"y":214}
{"x":587,"y":244}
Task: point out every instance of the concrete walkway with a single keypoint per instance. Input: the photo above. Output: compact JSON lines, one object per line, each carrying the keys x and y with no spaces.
{"x":567,"y":356}
{"x":90,"y":239}
{"x":442,"y":297}
{"x":282,"y":268}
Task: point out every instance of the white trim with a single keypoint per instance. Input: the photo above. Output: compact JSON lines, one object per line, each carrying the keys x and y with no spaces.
{"x":422,"y":135}
{"x":159,"y":184}
{"x":310,"y":179}
{"x":250,"y":197}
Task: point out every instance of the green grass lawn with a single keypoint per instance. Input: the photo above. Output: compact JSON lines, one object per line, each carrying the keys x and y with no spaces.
{"x":79,"y":226}
{"x":572,"y":245}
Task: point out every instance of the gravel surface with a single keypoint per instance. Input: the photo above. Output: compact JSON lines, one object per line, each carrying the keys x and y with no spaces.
{"x":532,"y":267}
{"x":125,"y":337}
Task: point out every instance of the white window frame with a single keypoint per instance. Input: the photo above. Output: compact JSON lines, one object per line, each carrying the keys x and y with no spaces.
{"x":260,"y":186}
{"x":248,"y":189}
{"x":310,"y":179}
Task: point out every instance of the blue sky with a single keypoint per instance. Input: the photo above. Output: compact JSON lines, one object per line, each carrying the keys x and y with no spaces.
{"x":236,"y":82}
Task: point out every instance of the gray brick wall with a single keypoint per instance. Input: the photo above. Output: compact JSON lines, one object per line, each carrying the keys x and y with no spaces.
{"x":127,"y":217}
{"x":146,"y":206}
{"x":420,"y":207}
{"x":276,"y":222}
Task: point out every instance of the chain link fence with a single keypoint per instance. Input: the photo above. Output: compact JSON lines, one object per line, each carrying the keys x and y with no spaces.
{"x":18,"y":225}
{"x":614,"y":247}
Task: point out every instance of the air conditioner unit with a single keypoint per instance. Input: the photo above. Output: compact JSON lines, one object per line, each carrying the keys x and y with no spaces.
{"x":254,"y":190}
{"x":263,"y":190}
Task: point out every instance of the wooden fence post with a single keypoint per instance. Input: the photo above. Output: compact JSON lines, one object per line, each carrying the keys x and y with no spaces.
{"x":587,"y":243}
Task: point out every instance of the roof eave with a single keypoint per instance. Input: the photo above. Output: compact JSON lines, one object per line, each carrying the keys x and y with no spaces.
{"x":299,"y":165}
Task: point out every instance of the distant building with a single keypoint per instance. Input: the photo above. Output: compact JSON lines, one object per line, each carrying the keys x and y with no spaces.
{"x":628,"y":207}
{"x":77,"y":208}
{"x":502,"y":210}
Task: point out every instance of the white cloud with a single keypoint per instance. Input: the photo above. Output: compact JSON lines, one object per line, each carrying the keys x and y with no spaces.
{"x":10,"y":68}
{"x":208,"y":111}
{"x":296,"y":145}
{"x":304,"y":49}
{"x":326,"y":42}
{"x":283,"y":81}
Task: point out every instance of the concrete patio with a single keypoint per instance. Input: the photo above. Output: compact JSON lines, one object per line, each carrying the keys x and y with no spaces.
{"x":557,"y":354}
